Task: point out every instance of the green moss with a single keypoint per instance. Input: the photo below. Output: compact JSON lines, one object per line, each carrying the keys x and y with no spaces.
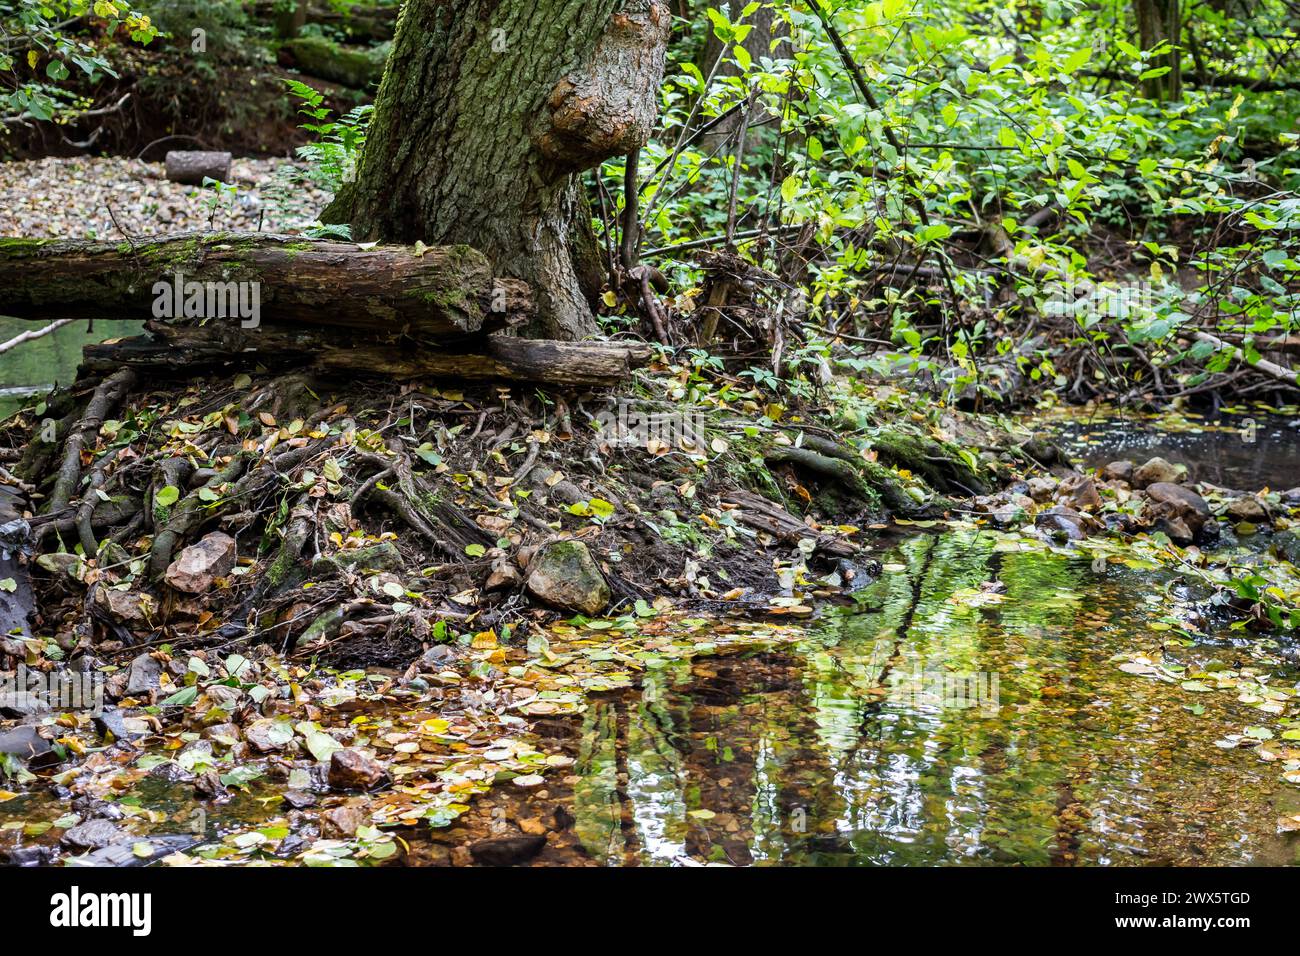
{"x":20,"y":247}
{"x":939,"y":463}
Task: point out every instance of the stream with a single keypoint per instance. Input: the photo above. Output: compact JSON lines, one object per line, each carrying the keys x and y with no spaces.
{"x":846,"y":749}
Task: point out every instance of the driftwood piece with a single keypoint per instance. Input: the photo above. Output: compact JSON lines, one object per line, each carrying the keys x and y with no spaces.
{"x":764,"y":515}
{"x":382,"y":292}
{"x":191,"y":167}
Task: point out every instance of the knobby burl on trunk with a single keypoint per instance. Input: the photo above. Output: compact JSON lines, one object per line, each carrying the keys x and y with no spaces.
{"x":487,"y":112}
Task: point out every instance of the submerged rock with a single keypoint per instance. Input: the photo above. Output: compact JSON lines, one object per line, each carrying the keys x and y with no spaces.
{"x":92,"y":835}
{"x":563,"y":574}
{"x":341,"y":823}
{"x":507,"y":850}
{"x":201,"y":564}
{"x":1061,"y":522}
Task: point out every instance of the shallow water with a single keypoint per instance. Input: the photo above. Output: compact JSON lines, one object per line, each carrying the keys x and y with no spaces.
{"x":838,"y":751}
{"x":1246,"y":452}
{"x":37,"y":365}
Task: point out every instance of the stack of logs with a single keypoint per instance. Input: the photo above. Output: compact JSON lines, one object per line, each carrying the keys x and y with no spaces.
{"x":223,"y":300}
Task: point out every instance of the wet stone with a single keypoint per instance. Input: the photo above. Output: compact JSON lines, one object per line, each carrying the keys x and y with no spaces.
{"x":353,"y":770}
{"x":92,"y":834}
{"x":507,"y":850}
{"x":144,"y":675}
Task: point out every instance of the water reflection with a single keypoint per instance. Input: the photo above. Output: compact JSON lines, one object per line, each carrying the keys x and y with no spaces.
{"x":827,"y":754}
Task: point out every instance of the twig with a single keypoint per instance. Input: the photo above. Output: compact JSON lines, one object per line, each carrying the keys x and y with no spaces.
{"x":22,"y":337}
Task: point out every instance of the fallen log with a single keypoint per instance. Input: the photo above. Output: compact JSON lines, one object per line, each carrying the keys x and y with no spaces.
{"x":191,"y":167}
{"x":1279,"y":372}
{"x":186,"y":349}
{"x":382,"y":292}
{"x":357,"y":68}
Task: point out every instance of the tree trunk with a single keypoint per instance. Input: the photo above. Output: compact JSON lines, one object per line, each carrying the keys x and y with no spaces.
{"x":767,"y":25}
{"x":487,"y":111}
{"x":1159,"y":21}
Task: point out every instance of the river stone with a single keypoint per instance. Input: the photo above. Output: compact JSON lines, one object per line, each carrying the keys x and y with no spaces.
{"x":125,"y":607}
{"x":114,"y":721}
{"x":353,"y":770}
{"x":1177,"y":511}
{"x":92,"y":834}
{"x":23,"y":742}
{"x":341,"y":823}
{"x":202,"y":563}
{"x":563,"y":574}
{"x":21,"y":703}
{"x":1041,"y":489}
{"x":383,"y":556}
{"x":504,"y":577}
{"x":1287,"y":546}
{"x":1061,"y":522}
{"x":1157,"y":470}
{"x":1246,"y":509}
{"x":506,"y":850}
{"x":1080,"y":492}
{"x":1117,"y":471}
{"x":143,"y":676}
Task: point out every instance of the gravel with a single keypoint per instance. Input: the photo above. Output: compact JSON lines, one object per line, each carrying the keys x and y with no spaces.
{"x":71,"y":198}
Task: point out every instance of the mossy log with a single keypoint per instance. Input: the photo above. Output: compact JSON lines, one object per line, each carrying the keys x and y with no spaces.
{"x":384,"y":292}
{"x":355,"y":67}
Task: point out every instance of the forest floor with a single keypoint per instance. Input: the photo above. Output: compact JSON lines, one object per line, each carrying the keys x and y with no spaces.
{"x":327,"y":600}
{"x":108,"y":197}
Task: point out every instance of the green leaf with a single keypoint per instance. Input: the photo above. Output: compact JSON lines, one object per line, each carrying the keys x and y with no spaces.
{"x":1077,"y":59}
{"x":790,"y":187}
{"x":182,"y":698}
{"x":167,"y":496}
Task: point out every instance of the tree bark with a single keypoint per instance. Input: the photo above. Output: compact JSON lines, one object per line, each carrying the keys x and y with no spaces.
{"x":385,"y":292}
{"x":185,"y":349}
{"x":487,"y":111}
{"x":1158,"y":21}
